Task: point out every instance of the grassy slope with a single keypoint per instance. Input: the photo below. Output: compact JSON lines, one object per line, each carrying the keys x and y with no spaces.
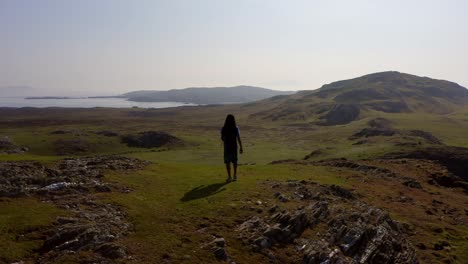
{"x":18,"y":216}
{"x":183,"y":190}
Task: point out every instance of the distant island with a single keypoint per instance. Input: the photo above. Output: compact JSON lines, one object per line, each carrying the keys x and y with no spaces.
{"x":200,"y":95}
{"x":68,"y":97}
{"x":204,"y":95}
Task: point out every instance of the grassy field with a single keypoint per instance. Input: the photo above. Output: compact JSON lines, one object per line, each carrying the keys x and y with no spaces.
{"x":181,"y":200}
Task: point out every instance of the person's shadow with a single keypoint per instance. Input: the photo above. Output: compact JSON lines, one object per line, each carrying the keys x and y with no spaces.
{"x":203,"y":191}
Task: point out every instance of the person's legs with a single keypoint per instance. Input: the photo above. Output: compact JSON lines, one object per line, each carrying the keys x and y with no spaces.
{"x":228,"y":169}
{"x":235,"y":170}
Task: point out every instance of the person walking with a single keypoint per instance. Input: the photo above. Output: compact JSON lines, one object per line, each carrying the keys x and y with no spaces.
{"x":230,"y":135}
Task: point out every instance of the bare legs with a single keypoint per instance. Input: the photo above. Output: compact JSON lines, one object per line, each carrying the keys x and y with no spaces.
{"x":228,"y":169}
{"x":235,"y":171}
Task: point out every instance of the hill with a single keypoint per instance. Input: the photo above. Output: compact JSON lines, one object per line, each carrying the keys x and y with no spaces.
{"x":344,"y":101}
{"x":108,"y":185}
{"x":216,"y":95}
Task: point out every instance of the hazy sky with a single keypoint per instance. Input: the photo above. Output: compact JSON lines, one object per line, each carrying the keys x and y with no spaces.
{"x":111,"y":46}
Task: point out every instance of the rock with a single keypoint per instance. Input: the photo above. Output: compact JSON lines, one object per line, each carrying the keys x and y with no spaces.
{"x":455,"y":159}
{"x":441,"y":245}
{"x":425,"y":135}
{"x":261,"y":243}
{"x":340,"y":114}
{"x":102,"y":188}
{"x":421,"y":246}
{"x":357,"y":166}
{"x":282,"y":198}
{"x":374,"y":132}
{"x":5,"y":142}
{"x":412,"y":184}
{"x":404,"y":199}
{"x":112,"y":251}
{"x":66,"y":220}
{"x":60,"y":132}
{"x":9,"y":147}
{"x":57,"y":186}
{"x":273,"y":208}
{"x":276,"y":234}
{"x":380,"y":122}
{"x":219,"y":248}
{"x":107,"y":133}
{"x":220,"y":242}
{"x":94,"y":226}
{"x":361,"y":142}
{"x":220,"y":253}
{"x":341,"y":192}
{"x":320,"y":252}
{"x":313,"y":154}
{"x":382,"y":127}
{"x":71,"y":146}
{"x":150,"y":139}
{"x":350,"y":231}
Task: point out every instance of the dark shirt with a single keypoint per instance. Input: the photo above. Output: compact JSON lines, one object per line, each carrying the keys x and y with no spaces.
{"x":230,"y":139}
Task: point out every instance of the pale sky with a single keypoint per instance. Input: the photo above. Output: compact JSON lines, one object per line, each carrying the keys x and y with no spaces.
{"x":112,"y":46}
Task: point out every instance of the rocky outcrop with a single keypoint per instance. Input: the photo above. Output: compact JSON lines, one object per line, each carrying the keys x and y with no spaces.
{"x":340,"y":114}
{"x":380,"y":122}
{"x":357,"y":166}
{"x":68,"y":176}
{"x":454,"y":158}
{"x":76,"y":146}
{"x":92,"y":226}
{"x":107,"y":133}
{"x":9,"y":147}
{"x":373,"y":132}
{"x":424,"y":135}
{"x":150,"y":139}
{"x":342,"y":229}
{"x":382,"y":127}
{"x":313,"y":154}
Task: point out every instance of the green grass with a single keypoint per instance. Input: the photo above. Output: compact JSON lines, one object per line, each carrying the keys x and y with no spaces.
{"x":182,"y":190}
{"x":18,"y":217}
{"x":170,"y":200}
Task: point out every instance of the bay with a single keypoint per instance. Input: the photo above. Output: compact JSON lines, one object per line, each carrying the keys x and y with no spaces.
{"x":84,"y":103}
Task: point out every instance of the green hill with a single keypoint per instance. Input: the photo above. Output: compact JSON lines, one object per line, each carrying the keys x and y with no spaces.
{"x":216,"y":95}
{"x":344,"y":101}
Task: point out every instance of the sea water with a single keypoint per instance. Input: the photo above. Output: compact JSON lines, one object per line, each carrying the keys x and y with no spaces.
{"x":84,"y":103}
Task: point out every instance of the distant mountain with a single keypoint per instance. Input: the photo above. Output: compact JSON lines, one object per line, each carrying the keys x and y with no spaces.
{"x":344,"y":101}
{"x":217,"y":95}
{"x":8,"y":91}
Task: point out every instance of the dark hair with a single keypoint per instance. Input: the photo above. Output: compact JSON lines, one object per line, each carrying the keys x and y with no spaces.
{"x":230,"y":124}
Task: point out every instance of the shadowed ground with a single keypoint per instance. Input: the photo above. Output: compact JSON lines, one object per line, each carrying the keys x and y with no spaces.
{"x":203,"y":191}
